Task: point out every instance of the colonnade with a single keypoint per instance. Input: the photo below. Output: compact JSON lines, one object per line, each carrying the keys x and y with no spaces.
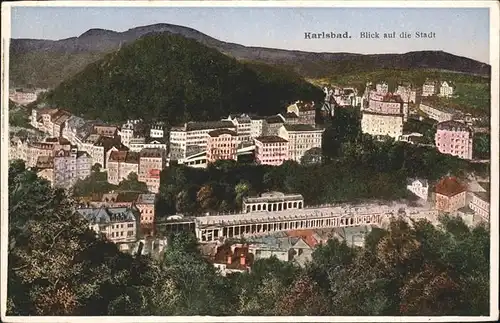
{"x":213,"y":233}
{"x":274,"y":206}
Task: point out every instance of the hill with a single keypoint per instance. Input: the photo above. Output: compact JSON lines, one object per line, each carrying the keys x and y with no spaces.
{"x":48,"y":62}
{"x":175,"y":79}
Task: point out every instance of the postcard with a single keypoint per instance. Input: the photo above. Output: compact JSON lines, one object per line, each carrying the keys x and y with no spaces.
{"x":249,"y":161}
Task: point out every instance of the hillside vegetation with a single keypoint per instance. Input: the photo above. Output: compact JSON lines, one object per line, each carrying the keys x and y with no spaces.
{"x":472,"y":91}
{"x":171,"y":78}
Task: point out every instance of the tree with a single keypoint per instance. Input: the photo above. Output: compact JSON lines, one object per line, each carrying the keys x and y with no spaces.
{"x":96,"y":168}
{"x":131,"y":183}
{"x":206,"y":198}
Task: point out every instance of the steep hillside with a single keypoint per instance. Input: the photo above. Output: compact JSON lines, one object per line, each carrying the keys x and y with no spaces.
{"x":28,"y":55}
{"x":172,"y":78}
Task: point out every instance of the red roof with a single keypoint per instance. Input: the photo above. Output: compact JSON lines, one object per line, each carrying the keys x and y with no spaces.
{"x":450,"y":186}
{"x":306,"y":235}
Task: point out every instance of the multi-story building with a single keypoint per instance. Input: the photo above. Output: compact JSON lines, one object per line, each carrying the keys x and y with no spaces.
{"x":301,"y":138}
{"x":106,"y":131}
{"x":451,"y":195}
{"x":379,"y":124}
{"x":273,"y":201}
{"x":270,"y":150}
{"x":151,"y":163}
{"x":454,"y":138}
{"x":83,"y":164}
{"x":446,"y":89}
{"x":192,"y":137}
{"x":145,"y":203}
{"x":382,"y":88}
{"x":273,"y":125}
{"x":243,"y":125}
{"x":118,"y":224}
{"x":40,"y":119}
{"x":121,"y":164}
{"x":305,"y":110}
{"x":157,"y":130}
{"x":102,"y":148}
{"x":419,"y":187}
{"x":440,"y":114}
{"x":58,"y":123}
{"x":407,"y":94}
{"x":140,"y":143}
{"x":480,"y":204}
{"x":38,"y":149}
{"x":258,"y":127}
{"x":18,"y":149}
{"x":429,"y":88}
{"x":222,"y":144}
{"x":290,"y":118}
{"x":23,"y":97}
{"x":65,"y":171}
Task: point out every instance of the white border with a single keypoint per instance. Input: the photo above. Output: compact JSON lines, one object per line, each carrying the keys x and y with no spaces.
{"x":495,"y":104}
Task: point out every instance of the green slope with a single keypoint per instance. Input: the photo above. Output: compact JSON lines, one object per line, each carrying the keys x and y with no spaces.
{"x":175,"y":79}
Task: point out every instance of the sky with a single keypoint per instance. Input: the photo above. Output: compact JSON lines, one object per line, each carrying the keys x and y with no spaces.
{"x":460,"y":31}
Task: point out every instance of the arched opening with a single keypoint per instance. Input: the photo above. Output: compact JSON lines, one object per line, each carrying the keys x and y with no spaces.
{"x":253,"y":207}
{"x":295,"y":204}
{"x":300,"y":205}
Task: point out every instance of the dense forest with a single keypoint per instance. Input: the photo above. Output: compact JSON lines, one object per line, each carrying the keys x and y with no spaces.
{"x":58,"y":266}
{"x":175,"y":79}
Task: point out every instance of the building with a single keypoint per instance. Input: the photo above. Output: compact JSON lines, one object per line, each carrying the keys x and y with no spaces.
{"x":157,"y":130}
{"x":83,"y":165}
{"x":102,"y":148}
{"x":258,"y":127}
{"x":305,"y":110}
{"x":192,"y":137}
{"x":119,"y":224}
{"x":289,"y":118}
{"x":243,"y":124}
{"x":151,"y":163}
{"x":71,"y":127}
{"x":222,"y":144}
{"x":22,"y":96}
{"x":121,"y":164}
{"x":65,"y":171}
{"x":440,"y":114}
{"x":446,"y":89}
{"x":450,"y":195}
{"x":270,"y":150}
{"x":273,"y":125}
{"x":273,"y":201}
{"x":480,"y":202}
{"x":414,"y":138}
{"x":382,"y":124}
{"x":382,"y":88}
{"x":140,"y":143}
{"x":454,"y":138}
{"x":429,"y":88}
{"x":419,"y":187}
{"x":407,"y":94}
{"x":59,"y":120}
{"x":106,"y":131}
{"x":126,"y":133}
{"x":18,"y":148}
{"x":41,"y":119}
{"x":37,"y":149}
{"x":233,"y":259}
{"x":145,"y":203}
{"x":301,"y":139}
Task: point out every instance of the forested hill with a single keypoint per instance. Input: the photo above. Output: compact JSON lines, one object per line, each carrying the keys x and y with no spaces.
{"x":46,"y":63}
{"x":175,"y":79}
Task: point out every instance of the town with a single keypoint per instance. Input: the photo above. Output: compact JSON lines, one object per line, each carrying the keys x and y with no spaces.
{"x":69,"y":149}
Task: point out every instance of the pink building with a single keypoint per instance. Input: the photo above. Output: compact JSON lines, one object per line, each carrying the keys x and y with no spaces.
{"x":271,"y":150}
{"x":450,"y":195}
{"x":454,"y":138}
{"x":221,"y":144}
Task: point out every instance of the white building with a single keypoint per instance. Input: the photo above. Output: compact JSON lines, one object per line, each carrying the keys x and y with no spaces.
{"x":140,"y":143}
{"x":258,"y":127}
{"x":378,"y":124}
{"x":419,"y":187}
{"x":272,"y":201}
{"x":243,"y":125}
{"x":440,"y":114}
{"x":446,"y":90}
{"x":126,"y":133}
{"x":301,"y":138}
{"x":382,"y":88}
{"x":429,"y":88}
{"x":192,"y":137}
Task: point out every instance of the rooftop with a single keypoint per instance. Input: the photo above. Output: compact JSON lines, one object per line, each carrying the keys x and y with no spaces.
{"x":301,"y":127}
{"x":274,"y":119}
{"x":219,"y":132}
{"x":270,"y":139}
{"x":193,"y":126}
{"x":107,"y":215}
{"x":450,"y":186}
{"x":151,"y":153}
{"x":485,"y":196}
{"x":453,"y":125}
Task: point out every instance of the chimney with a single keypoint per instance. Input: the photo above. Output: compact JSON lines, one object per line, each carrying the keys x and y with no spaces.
{"x":229,"y":259}
{"x":242,"y":260}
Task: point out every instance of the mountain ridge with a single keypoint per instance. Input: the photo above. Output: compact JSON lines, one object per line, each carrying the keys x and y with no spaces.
{"x":96,"y":42}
